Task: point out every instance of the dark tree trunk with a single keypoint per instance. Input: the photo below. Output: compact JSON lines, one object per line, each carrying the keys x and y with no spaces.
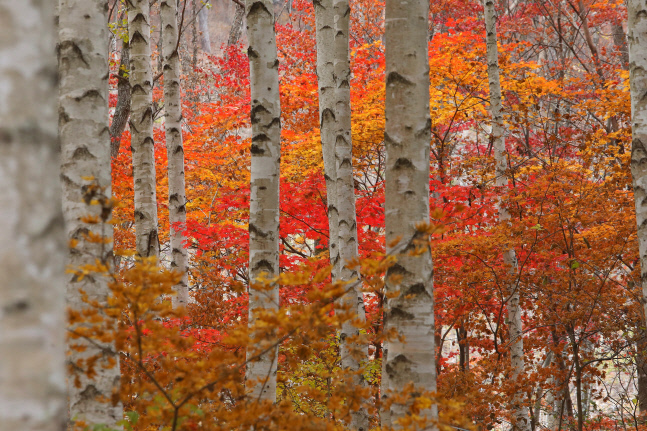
{"x":641,"y":366}
{"x":236,"y":26}
{"x":463,"y":348}
{"x":122,"y":110}
{"x":620,"y":42}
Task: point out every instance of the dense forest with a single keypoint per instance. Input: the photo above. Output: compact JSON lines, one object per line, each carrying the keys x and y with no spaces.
{"x":323,"y":215}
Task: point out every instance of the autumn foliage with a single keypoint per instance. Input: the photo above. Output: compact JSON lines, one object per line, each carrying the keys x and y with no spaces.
{"x":567,"y":114}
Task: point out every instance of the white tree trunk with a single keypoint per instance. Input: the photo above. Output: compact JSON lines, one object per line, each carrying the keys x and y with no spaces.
{"x":407,"y":138}
{"x":520,"y":410}
{"x":85,"y":144}
{"x":141,"y":128}
{"x":325,"y":73}
{"x":203,"y":27}
{"x":32,"y":239}
{"x":351,"y":353}
{"x":264,"y":199}
{"x":174,"y":146}
{"x":637,"y":37}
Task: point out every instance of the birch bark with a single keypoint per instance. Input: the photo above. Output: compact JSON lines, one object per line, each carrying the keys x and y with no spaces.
{"x":520,"y":411}
{"x":351,"y":353}
{"x":264,"y":199}
{"x":407,"y":138}
{"x":174,"y":146}
{"x":324,"y":22}
{"x":637,"y":36}
{"x":32,"y":239}
{"x":85,"y":144}
{"x":203,"y":26}
{"x":141,"y":128}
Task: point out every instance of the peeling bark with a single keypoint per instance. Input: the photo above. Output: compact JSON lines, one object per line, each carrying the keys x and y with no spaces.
{"x":32,"y":238}
{"x":141,"y":128}
{"x":264,"y":198}
{"x":407,"y":138}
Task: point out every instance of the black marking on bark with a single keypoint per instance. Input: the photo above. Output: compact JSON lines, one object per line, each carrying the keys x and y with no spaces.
{"x":327,"y":115}
{"x":398,"y":313}
{"x":398,"y":366}
{"x":263,"y":264}
{"x":390,"y":141}
{"x":253,"y":230}
{"x":346,"y":162}
{"x":425,"y":131}
{"x":397,"y":269}
{"x":89,"y":94}
{"x":257,"y":150}
{"x":403,"y":163}
{"x":137,"y":38}
{"x":252,"y":54}
{"x":153,"y":241}
{"x":148,"y":141}
{"x":276,"y":64}
{"x":257,"y":110}
{"x":394,"y":78}
{"x":147,"y":115}
{"x":276,"y":121}
{"x":418,"y":289}
{"x":63,"y":117}
{"x":19,"y":306}
{"x":140,"y":17}
{"x":138,"y":88}
{"x":258,"y":7}
{"x":70,"y":50}
{"x":82,"y":153}
{"x":260,"y":138}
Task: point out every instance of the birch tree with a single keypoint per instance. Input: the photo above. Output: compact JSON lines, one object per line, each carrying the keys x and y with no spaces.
{"x":264,"y":198}
{"x":637,"y":35}
{"x":407,"y":139}
{"x":32,"y":241}
{"x":141,"y":128}
{"x":351,"y":352}
{"x":520,"y":411}
{"x":174,"y":145}
{"x":203,"y":26}
{"x":85,"y":144}
{"x":326,"y":80}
